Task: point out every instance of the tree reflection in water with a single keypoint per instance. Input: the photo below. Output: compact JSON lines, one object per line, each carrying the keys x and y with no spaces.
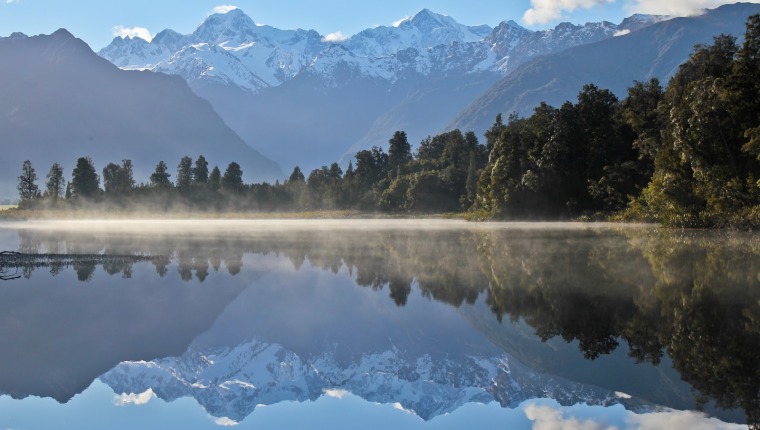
{"x":694,"y":296}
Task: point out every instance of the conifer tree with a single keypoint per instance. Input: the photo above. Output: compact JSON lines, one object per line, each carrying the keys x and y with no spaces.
{"x":200,"y":171}
{"x":27,"y":183}
{"x":55,"y":185}
{"x":160,"y":177}
{"x":85,"y":182}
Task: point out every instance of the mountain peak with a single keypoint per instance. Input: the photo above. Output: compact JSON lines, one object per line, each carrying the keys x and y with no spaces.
{"x":428,"y":20}
{"x":231,"y":24}
{"x":63,"y":33}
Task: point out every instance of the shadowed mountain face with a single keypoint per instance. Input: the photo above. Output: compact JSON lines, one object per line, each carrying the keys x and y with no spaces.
{"x":654,"y":51}
{"x":60,"y":101}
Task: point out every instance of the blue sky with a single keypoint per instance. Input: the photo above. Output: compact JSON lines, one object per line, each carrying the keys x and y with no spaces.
{"x":97,"y":21}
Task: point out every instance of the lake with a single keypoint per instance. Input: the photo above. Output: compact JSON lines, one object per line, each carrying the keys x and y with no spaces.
{"x":377,"y":324}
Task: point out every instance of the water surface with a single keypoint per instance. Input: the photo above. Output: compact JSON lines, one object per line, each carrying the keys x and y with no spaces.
{"x":417,"y":324}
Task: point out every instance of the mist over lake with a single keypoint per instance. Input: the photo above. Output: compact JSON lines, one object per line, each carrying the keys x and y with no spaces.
{"x":414,"y":322}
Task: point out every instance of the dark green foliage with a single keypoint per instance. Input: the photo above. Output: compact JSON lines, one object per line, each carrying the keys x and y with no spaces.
{"x":55,"y":186}
{"x":27,"y":183}
{"x":118,"y":179}
{"x":399,"y":153}
{"x":215,"y":179}
{"x":297,"y":175}
{"x":184,"y":173}
{"x":200,"y":171}
{"x":85,"y":181}
{"x":232,"y":180}
{"x":706,"y":166}
{"x":160,"y":177}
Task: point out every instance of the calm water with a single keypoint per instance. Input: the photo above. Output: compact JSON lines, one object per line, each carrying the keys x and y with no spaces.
{"x":377,"y":324}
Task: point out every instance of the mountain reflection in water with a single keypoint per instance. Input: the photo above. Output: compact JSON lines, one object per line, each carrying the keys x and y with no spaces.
{"x":248,"y":315}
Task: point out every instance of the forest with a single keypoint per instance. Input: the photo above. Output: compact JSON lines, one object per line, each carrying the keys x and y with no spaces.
{"x":683,"y":155}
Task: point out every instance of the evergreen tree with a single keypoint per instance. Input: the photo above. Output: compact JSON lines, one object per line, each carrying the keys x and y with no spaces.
{"x":27,"y":183}
{"x":215,"y":179}
{"x":232,"y":180}
{"x":184,"y":173}
{"x":127,"y":175}
{"x":112,"y":175}
{"x":160,"y":177}
{"x":200,"y":171}
{"x":296,"y":175}
{"x":55,"y":185}
{"x":399,"y":153}
{"x":85,"y":181}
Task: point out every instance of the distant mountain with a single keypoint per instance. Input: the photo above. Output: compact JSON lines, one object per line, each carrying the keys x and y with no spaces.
{"x":233,"y":382}
{"x":653,"y":51}
{"x":60,"y":101}
{"x":307,"y":99}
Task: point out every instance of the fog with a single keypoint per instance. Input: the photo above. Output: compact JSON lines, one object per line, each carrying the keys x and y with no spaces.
{"x":241,"y":226}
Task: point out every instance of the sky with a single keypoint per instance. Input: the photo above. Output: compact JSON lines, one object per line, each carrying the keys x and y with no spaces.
{"x":98,"y":21}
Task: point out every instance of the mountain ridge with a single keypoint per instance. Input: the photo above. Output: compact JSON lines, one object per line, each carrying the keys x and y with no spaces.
{"x":250,"y":73}
{"x":60,"y":101}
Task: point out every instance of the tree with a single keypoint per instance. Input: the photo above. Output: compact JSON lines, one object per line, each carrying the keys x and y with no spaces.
{"x":55,"y":186}
{"x":297,"y":175}
{"x":184,"y":173}
{"x":127,"y":175}
{"x":399,"y":153}
{"x":112,"y":178}
{"x":160,"y":177}
{"x":200,"y":171}
{"x":232,"y":179}
{"x":27,"y":187}
{"x":118,"y":179}
{"x":215,"y":179}
{"x":85,"y":181}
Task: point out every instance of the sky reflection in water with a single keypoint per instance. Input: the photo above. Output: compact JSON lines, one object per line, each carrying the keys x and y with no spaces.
{"x":334,"y":295}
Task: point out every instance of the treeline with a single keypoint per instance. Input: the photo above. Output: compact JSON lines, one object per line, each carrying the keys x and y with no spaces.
{"x":687,"y":155}
{"x":441,"y":176}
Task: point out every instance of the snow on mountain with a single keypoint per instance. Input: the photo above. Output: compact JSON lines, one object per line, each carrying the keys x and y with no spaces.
{"x":425,"y":44}
{"x":210,"y":63}
{"x":263,"y":56}
{"x":424,"y":30}
{"x":232,"y":382}
{"x":134,"y":53}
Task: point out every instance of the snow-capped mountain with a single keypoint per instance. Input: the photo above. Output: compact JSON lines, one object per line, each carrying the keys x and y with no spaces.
{"x":424,"y":30}
{"x":232,"y":382}
{"x":347,"y":94}
{"x":427,"y":43}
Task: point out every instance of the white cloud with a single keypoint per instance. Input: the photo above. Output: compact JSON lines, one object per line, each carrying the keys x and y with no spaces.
{"x":141,"y":32}
{"x":622,"y":33}
{"x":11,"y":1}
{"x":336,"y":37}
{"x":225,"y":422}
{"x":549,"y":418}
{"x":679,"y":420}
{"x":674,"y":7}
{"x":543,"y":11}
{"x":336,"y":393}
{"x":223,"y":8}
{"x":134,"y":399}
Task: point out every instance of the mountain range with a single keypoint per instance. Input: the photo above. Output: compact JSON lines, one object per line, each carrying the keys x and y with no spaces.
{"x":305,"y":99}
{"x":279,"y":98}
